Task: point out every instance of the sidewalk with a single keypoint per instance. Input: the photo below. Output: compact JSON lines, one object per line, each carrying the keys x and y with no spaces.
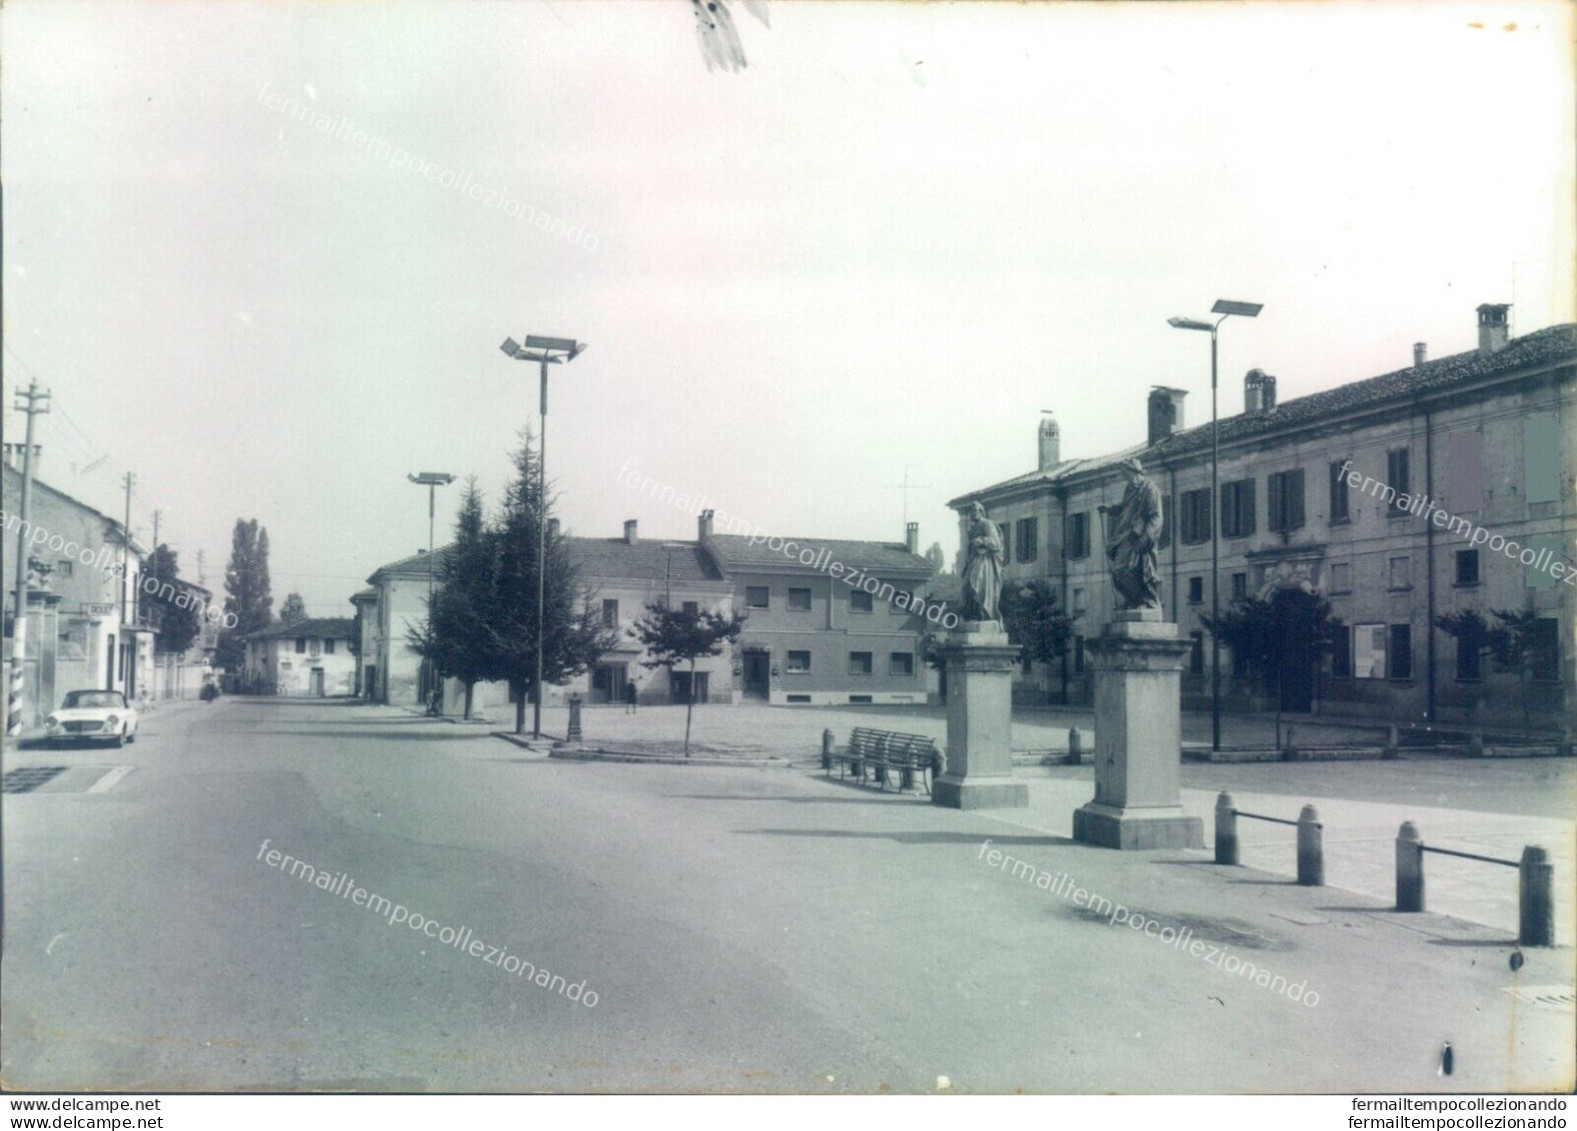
{"x":1360,"y":853}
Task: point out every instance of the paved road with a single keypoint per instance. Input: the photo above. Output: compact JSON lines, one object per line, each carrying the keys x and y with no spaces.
{"x":744,"y":930}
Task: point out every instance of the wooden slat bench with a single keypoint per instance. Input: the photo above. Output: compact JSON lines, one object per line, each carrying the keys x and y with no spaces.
{"x":883,"y":751}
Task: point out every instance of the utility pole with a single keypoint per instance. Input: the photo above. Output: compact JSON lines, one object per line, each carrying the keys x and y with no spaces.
{"x":130,"y":481}
{"x":129,"y":667}
{"x":33,"y":402}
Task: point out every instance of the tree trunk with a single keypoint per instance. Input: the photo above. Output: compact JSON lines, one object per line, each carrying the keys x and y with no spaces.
{"x":520,"y":707}
{"x":469,"y":687}
{"x":689,"y":707}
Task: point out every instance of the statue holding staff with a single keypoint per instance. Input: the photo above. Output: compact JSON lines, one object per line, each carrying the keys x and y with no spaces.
{"x":982,"y":567}
{"x":1132,"y":530}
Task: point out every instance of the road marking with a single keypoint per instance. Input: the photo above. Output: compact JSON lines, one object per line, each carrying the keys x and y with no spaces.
{"x":52,"y":943}
{"x":110,"y":780}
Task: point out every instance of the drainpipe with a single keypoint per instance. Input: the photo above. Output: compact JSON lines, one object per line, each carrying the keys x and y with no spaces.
{"x":1171,"y":520}
{"x":1061,"y":496}
{"x":1429,"y":557}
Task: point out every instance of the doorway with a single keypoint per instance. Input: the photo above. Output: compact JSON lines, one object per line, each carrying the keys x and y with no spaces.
{"x":315,"y":683}
{"x":758,"y":675}
{"x":679,"y":687}
{"x":607,"y":682}
{"x":1294,"y":615}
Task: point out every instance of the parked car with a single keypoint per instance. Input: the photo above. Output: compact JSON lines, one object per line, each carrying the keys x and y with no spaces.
{"x":92,"y":716}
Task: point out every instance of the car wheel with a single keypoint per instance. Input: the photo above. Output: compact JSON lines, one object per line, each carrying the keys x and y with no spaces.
{"x":132,"y":737}
{"x":120,"y":740}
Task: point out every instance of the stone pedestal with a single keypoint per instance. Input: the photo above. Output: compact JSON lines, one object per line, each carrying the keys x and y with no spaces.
{"x":1138,"y":663}
{"x":979,"y":721}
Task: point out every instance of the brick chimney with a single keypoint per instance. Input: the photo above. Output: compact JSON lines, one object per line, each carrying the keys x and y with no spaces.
{"x":703,"y":526}
{"x":629,"y":531}
{"x":1165,"y":412}
{"x":1050,"y":443}
{"x":1420,"y":354}
{"x":1259,"y":392}
{"x":1494,"y":328}
{"x":911,"y":537}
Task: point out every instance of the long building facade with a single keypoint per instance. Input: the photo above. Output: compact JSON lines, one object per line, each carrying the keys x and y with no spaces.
{"x":1444,"y":486}
{"x":825,"y":624}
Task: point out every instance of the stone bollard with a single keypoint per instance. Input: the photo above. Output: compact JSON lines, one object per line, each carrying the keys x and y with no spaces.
{"x":1226,"y":829}
{"x":1311,"y":849}
{"x":1475,"y":743}
{"x":573,"y":734}
{"x":827,"y":745}
{"x":1409,"y":868}
{"x":1536,"y":898}
{"x":1393,"y":744}
{"x":1289,"y":751}
{"x":1075,"y":746}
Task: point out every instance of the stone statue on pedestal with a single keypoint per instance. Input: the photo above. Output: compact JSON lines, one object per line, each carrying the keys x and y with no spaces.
{"x":1132,"y":530}
{"x":982,"y":568}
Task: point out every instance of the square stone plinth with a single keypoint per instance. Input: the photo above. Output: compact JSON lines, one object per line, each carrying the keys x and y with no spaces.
{"x":979,"y":772}
{"x":1138,"y":738}
{"x":979,"y":793}
{"x":1133,"y":829}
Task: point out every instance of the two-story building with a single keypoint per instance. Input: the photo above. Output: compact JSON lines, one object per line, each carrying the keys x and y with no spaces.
{"x":85,"y":629}
{"x":829,"y":620}
{"x":311,"y":657}
{"x":625,"y":574}
{"x":1444,"y":485}
{"x":833,"y":622}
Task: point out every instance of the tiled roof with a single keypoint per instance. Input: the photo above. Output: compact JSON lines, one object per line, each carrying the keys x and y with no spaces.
{"x":1063,"y":470}
{"x":324,"y":627}
{"x":644,"y":561}
{"x":735,"y":551}
{"x":1542,"y":347}
{"x":601,"y":558}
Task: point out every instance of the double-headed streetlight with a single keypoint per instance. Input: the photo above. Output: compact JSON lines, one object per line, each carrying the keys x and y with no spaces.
{"x":1226,"y":308}
{"x":545,"y":351}
{"x":432,"y":480}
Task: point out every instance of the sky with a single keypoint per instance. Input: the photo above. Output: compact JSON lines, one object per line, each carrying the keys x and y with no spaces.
{"x":878,"y":252}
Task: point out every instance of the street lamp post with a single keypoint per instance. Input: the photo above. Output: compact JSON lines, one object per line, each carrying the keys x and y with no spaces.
{"x":432,"y":480}
{"x":1226,"y":308}
{"x":545,"y":351}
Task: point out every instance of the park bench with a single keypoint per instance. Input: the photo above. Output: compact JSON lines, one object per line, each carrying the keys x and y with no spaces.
{"x":883,"y":751}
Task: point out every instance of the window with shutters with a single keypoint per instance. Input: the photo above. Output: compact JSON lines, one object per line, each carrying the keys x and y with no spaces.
{"x":1237,"y":508}
{"x":1341,"y":653}
{"x":1339,"y":512}
{"x":1284,"y":497}
{"x":1194,"y":516}
{"x":1397,"y":477}
{"x":1079,"y":535}
{"x":1028,"y":539}
{"x":1401,"y":651}
{"x":1546,"y":650}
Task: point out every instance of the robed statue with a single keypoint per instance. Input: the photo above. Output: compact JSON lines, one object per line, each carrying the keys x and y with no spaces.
{"x":982,"y":567}
{"x":1132,"y":530}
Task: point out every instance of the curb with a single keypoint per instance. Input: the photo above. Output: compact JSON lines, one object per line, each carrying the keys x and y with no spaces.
{"x":596,"y":754}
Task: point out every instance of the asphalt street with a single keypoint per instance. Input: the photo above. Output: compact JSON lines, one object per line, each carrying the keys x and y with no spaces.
{"x":744,"y":930}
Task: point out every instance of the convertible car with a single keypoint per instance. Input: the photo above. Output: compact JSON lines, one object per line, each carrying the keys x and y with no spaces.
{"x":94,"y":716}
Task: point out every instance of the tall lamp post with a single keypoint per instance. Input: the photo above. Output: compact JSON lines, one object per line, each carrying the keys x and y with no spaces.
{"x":1226,"y":308}
{"x":546,"y":352}
{"x":432,"y":480}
